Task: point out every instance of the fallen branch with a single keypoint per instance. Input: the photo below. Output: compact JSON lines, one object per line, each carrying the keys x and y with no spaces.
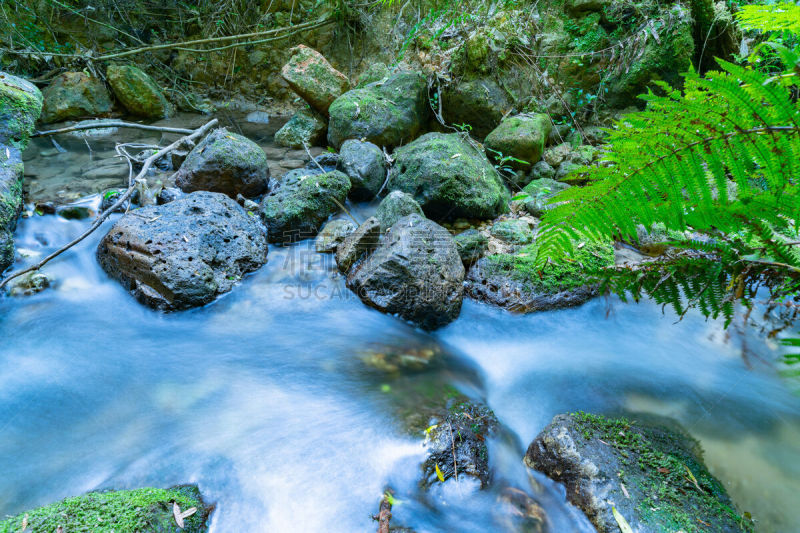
{"x":384,"y":515}
{"x":140,"y":177}
{"x":111,"y":124}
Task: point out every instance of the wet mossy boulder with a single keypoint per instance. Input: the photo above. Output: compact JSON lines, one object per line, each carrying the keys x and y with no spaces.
{"x":74,"y":95}
{"x":122,"y":511}
{"x":310,"y":75}
{"x":386,"y":113}
{"x":365,"y":165}
{"x":395,"y":206}
{"x":652,"y":474}
{"x":479,"y":104}
{"x":137,"y":92}
{"x":512,"y":231}
{"x":301,"y":203}
{"x":471,"y":244}
{"x":185,"y":253}
{"x":225,"y":162}
{"x":332,"y":234}
{"x":11,"y":172}
{"x":449,"y":178}
{"x":306,"y":127}
{"x":522,"y":138}
{"x":514,"y":280}
{"x":20,"y":106}
{"x":415,"y":272}
{"x":374,"y":72}
{"x":456,"y":445}
{"x":539,"y":192}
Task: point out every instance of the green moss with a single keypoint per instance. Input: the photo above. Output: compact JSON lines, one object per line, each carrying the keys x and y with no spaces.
{"x":20,"y":107}
{"x":665,"y":466}
{"x":125,"y":511}
{"x":521,"y":266}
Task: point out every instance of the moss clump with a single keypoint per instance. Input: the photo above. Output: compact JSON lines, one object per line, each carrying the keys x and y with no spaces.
{"x":666,"y":466}
{"x":125,"y":511}
{"x":587,"y":259}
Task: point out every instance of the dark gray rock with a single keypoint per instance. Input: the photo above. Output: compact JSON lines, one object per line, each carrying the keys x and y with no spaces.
{"x":301,"y":203}
{"x":458,"y":443}
{"x":332,"y":234}
{"x":652,"y":474}
{"x":449,"y":178}
{"x":11,"y":171}
{"x":481,"y":104}
{"x":365,"y":165}
{"x":185,"y":253}
{"x":358,"y":244}
{"x":169,"y":194}
{"x":386,"y":113}
{"x":225,"y":162}
{"x":395,"y":206}
{"x":416,"y":272}
{"x":471,"y":244}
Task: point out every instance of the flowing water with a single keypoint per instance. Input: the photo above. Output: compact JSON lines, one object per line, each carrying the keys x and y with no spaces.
{"x":264,"y":399}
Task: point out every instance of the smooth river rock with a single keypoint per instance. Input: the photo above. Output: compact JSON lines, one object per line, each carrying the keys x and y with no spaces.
{"x":185,"y":253}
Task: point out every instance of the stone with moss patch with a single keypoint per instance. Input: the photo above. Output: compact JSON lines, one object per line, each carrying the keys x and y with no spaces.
{"x":310,"y":75}
{"x":652,"y":473}
{"x":10,"y":201}
{"x":137,"y":92}
{"x":539,"y":193}
{"x":386,"y":113}
{"x":20,"y":106}
{"x":301,"y":203}
{"x":522,"y":138}
{"x":513,"y":231}
{"x":471,"y":244}
{"x":517,"y":282}
{"x":124,"y":511}
{"x":306,"y":127}
{"x":75,"y":95}
{"x":449,"y":178}
{"x":395,"y":206}
{"x":477,"y":105}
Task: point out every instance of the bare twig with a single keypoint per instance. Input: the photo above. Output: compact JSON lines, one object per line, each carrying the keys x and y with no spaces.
{"x":111,"y":124}
{"x":122,"y":199}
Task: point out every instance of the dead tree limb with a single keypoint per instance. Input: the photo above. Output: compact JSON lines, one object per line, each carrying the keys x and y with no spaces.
{"x":140,"y":177}
{"x":111,"y":124}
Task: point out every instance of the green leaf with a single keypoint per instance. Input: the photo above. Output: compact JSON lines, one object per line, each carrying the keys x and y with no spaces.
{"x":439,"y":473}
{"x":621,"y":522}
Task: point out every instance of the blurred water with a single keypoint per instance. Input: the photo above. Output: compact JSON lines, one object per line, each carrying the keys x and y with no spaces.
{"x":262,"y":398}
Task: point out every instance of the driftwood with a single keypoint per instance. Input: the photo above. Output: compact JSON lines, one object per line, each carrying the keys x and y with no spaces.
{"x":111,"y":124}
{"x":140,"y":178}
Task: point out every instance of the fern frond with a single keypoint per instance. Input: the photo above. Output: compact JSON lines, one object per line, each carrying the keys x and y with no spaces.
{"x":771,"y":17}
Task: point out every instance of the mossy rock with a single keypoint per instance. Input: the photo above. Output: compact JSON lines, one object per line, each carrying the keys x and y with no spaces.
{"x":10,"y":201}
{"x":471,"y":244}
{"x":515,"y":280}
{"x":449,"y":178}
{"x":539,"y":193}
{"x":386,"y":113}
{"x":521,"y":137}
{"x":74,"y":95}
{"x":513,"y":231}
{"x":650,"y":472}
{"x":310,"y":75}
{"x":301,"y":203}
{"x":306,"y":127}
{"x":395,"y":206}
{"x":478,"y":105}
{"x":137,"y":92}
{"x":20,"y":106}
{"x":124,"y":511}
{"x":375,"y":72}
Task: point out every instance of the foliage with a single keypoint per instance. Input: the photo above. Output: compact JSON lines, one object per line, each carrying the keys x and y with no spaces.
{"x":770,"y":17}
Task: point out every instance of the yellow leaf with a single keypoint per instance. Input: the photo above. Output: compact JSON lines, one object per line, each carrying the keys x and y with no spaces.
{"x":430,"y":428}
{"x":439,"y":474}
{"x":623,"y":524}
{"x":694,"y":479}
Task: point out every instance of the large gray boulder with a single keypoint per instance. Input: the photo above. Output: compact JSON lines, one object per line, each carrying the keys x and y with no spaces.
{"x":365,"y":165}
{"x":479,"y":104}
{"x":225,"y":162}
{"x":20,"y":106}
{"x":185,"y":253}
{"x":522,"y":138}
{"x":386,"y":113}
{"x":449,"y":178}
{"x":651,"y":474}
{"x":415,"y":272}
{"x":75,"y":95}
{"x":10,"y":201}
{"x":310,"y":75}
{"x":301,"y":203}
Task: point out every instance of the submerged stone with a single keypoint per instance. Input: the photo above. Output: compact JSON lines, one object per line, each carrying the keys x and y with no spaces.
{"x":123,"y":511}
{"x":652,"y":474}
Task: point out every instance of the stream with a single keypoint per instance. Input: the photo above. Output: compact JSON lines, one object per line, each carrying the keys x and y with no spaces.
{"x":264,"y":400}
